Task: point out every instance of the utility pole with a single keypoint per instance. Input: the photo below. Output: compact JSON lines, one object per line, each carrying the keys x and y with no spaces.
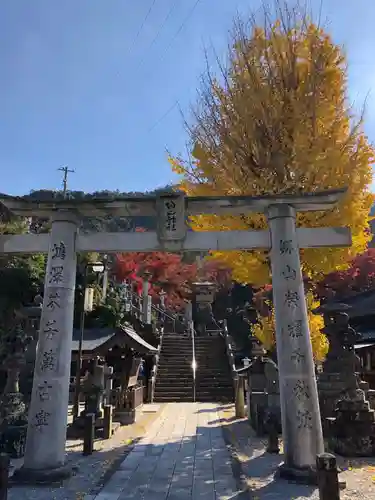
{"x":65,"y":178}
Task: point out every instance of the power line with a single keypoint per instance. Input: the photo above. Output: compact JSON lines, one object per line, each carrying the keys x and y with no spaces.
{"x":184,"y":22}
{"x":163,"y":24}
{"x":142,"y":25}
{"x":169,"y":110}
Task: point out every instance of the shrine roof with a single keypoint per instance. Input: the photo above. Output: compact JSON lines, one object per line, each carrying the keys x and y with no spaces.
{"x":147,"y":205}
{"x":361,"y":304}
{"x":93,"y":338}
{"x":104,"y":338}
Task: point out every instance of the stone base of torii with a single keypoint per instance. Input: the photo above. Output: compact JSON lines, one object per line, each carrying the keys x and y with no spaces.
{"x":301,"y":424}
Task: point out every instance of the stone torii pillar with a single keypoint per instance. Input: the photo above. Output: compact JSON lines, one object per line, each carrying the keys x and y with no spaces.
{"x":300,"y":414}
{"x":46,"y":434}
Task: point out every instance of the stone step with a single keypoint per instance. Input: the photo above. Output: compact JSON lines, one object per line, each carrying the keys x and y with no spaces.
{"x":180,"y":355}
{"x":164,"y":382}
{"x":177,"y":340}
{"x":167,"y":399}
{"x":205,"y":374}
{"x":210,"y":354}
{"x":175,"y":366}
{"x":175,"y":389}
{"x":214,"y":385}
{"x":175,"y":362}
{"x":214,"y":390}
{"x":174,"y":396}
{"x":175,"y":349}
{"x":174,"y":352}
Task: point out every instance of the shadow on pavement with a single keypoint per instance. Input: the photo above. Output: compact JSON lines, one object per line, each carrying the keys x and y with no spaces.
{"x":218,"y":408}
{"x":257,"y":467}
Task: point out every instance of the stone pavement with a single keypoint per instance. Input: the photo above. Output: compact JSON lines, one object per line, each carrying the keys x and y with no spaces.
{"x":183,"y":456}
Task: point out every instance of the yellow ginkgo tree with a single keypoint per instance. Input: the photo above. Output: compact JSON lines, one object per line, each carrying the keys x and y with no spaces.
{"x":264,"y":330}
{"x":277,"y":120}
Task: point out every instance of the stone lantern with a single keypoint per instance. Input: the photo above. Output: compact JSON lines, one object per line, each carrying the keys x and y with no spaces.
{"x":30,"y":318}
{"x":13,"y":416}
{"x":203,"y":296}
{"x":348,"y":420}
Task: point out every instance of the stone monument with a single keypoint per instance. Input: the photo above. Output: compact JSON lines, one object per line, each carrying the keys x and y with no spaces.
{"x":338,"y":375}
{"x":94,"y":388}
{"x":351,"y":422}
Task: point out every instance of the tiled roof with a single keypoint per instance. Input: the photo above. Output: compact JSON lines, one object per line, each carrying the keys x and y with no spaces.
{"x":93,"y":338}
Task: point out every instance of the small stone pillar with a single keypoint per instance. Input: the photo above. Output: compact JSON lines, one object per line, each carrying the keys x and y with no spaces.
{"x":240,"y":397}
{"x":146,"y":299}
{"x":301,"y":424}
{"x":46,"y":434}
{"x":108,"y":377}
{"x":328,"y":482}
{"x":94,"y":389}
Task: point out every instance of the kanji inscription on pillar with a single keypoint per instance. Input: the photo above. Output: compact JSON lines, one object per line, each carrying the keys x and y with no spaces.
{"x":304,"y":419}
{"x":56,"y":275}
{"x":53,"y":301}
{"x":294,"y":329}
{"x":44,"y":390}
{"x":46,"y":435}
{"x":41,"y":420}
{"x":301,"y":390}
{"x":59,"y":251}
{"x":50,"y":329}
{"x":48,"y":361}
{"x":298,"y":395}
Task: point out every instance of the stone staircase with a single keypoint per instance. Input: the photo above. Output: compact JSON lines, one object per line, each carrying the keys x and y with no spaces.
{"x":213,"y":377}
{"x":174,"y":378}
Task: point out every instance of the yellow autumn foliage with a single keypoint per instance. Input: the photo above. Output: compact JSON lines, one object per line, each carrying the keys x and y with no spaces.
{"x":264,"y":330}
{"x":277,"y":120}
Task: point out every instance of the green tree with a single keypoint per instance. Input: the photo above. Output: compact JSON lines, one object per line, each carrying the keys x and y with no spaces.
{"x":21,"y":277}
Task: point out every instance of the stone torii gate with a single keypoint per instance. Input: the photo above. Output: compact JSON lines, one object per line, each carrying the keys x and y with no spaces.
{"x":302,"y":431}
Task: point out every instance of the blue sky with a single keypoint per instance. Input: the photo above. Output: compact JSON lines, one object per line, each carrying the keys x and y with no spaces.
{"x":82,"y":86}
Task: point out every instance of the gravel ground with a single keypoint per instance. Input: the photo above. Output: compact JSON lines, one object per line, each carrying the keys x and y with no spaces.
{"x":92,"y":471}
{"x":258,"y":468}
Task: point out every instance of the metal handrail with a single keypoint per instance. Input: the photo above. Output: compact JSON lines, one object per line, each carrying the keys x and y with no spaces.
{"x":159,"y":310}
{"x":230,"y":355}
{"x":154,"y":370}
{"x":194,"y":361}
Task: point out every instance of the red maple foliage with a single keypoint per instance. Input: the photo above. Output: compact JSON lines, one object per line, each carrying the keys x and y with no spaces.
{"x":359,"y":277}
{"x":168,"y":272}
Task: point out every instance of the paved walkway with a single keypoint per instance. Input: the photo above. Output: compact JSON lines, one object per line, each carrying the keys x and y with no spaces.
{"x":182,"y":456}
